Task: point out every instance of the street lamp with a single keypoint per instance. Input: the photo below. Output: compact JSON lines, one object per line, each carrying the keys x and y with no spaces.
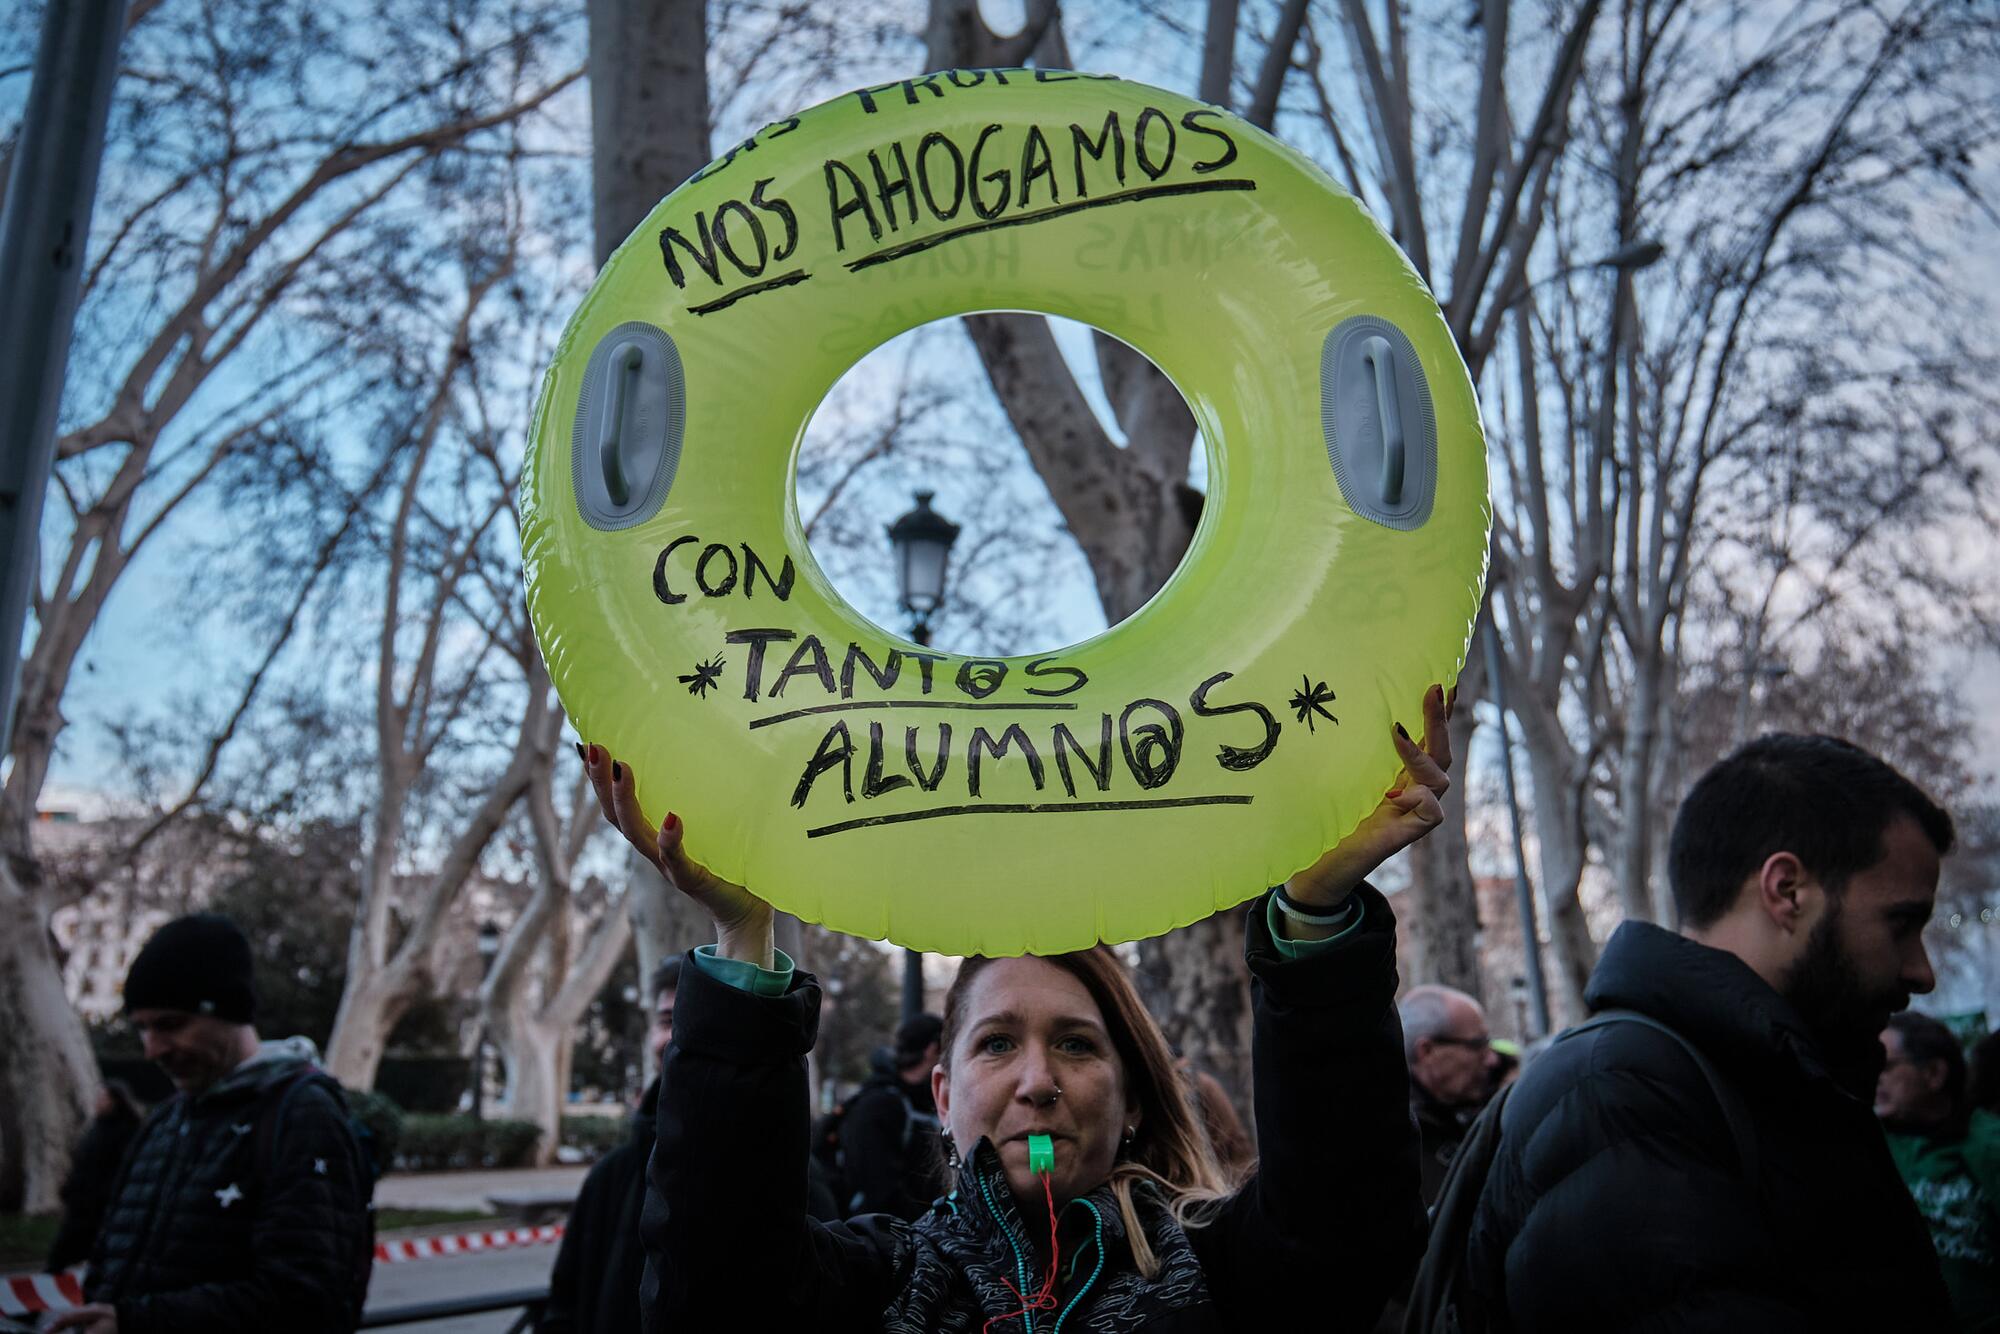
{"x":922,"y":542}
{"x":489,"y":948}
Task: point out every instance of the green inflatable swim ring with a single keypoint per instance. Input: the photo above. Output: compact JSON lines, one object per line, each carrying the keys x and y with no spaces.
{"x":1210,"y":745}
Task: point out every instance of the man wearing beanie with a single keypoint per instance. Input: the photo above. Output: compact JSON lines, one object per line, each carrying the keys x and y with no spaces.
{"x":243,"y":1203}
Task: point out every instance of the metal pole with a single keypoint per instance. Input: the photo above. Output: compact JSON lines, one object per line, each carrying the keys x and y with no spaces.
{"x":43,"y":227}
{"x":913,"y":960}
{"x":1524,"y":893}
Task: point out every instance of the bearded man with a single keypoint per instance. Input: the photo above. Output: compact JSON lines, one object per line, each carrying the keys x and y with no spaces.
{"x":1635,"y":1190}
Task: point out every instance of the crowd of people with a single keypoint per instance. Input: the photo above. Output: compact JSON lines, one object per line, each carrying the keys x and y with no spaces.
{"x":1751,"y":1132}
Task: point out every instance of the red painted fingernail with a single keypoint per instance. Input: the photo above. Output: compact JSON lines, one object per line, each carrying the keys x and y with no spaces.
{"x":1401,"y":733}
{"x":1393,"y":793}
{"x":673,"y":822}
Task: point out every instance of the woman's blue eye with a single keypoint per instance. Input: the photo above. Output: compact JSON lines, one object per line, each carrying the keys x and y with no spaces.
{"x":995,"y":1044}
{"x":1076,"y":1046}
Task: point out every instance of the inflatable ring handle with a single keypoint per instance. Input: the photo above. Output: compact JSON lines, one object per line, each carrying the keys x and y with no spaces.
{"x":626,"y":363}
{"x":1381,"y":359}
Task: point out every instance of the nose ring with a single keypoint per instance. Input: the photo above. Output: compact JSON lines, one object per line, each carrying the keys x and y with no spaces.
{"x":1053,"y":1096}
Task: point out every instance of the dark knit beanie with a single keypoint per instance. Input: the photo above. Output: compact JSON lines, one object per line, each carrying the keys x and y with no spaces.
{"x":198,"y":964}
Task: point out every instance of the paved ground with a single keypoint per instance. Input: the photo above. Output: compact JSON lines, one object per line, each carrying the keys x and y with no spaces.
{"x":461,"y":1276}
{"x":469,"y":1190}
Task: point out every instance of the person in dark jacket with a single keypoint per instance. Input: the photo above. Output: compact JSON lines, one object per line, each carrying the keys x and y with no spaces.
{"x":242,"y":1206}
{"x":1452,"y":1068}
{"x":93,"y":1170}
{"x":1948,"y":1153}
{"x":889,"y":1136}
{"x":1623,"y":1195}
{"x":1134,"y":1226}
{"x":595,"y":1283}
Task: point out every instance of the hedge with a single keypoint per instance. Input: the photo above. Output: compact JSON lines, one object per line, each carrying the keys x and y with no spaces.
{"x":433,"y":1142}
{"x":595,"y":1135}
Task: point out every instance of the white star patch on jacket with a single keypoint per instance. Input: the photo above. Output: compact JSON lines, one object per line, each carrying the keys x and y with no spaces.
{"x":228,"y":1195}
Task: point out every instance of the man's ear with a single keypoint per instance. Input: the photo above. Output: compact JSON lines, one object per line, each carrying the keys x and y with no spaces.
{"x":1936,"y":1074}
{"x":1786,"y":892}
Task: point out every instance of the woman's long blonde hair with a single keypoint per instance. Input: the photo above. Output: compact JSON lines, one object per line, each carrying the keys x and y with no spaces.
{"x":1170,"y":1149}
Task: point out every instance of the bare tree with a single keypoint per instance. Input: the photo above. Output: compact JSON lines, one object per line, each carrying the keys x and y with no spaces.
{"x":544,"y":979}
{"x":1747,"y":436}
{"x":251,"y":155}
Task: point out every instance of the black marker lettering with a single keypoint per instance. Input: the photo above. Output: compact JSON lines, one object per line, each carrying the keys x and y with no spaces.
{"x":1234,"y":758}
{"x":981,"y":740}
{"x":867,"y":96}
{"x":784,"y":212}
{"x":886,"y":189}
{"x":809,"y":648}
{"x":1139,"y":154}
{"x":927,"y":82}
{"x":1039,"y":668}
{"x":930,"y":141}
{"x":1003,"y":177}
{"x":924,"y":661}
{"x":753,"y":565}
{"x":928,"y":782}
{"x":1036,"y":163}
{"x":1192,"y":122}
{"x":858,"y":203}
{"x":758,"y":640}
{"x":708,"y":553}
{"x":660,"y":589}
{"x":885,"y":677}
{"x":1100,"y":772}
{"x":1158,"y":752}
{"x":873,"y":784}
{"x":1111,"y":134}
{"x":826,"y":757}
{"x":704,"y":257}
{"x":980,"y":677}
{"x":728,"y":248}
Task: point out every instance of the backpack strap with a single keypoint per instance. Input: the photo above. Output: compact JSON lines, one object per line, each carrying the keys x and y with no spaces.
{"x":1440,"y":1301}
{"x":1735,"y":1112}
{"x":1437,"y":1294}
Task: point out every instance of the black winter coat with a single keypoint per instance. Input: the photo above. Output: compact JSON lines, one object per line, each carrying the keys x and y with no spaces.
{"x":1616,"y":1200}
{"x":201,"y":1238}
{"x":889,"y":1150}
{"x":1331,"y":1224}
{"x":595,"y":1283}
{"x":86,"y":1191}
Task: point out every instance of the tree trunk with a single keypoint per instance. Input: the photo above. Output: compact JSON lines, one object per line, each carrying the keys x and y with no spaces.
{"x":47,"y":1073}
{"x":370,"y":1008}
{"x":1440,"y":918}
{"x":648,"y":108}
{"x":1194,"y":983}
{"x":1559,"y":831}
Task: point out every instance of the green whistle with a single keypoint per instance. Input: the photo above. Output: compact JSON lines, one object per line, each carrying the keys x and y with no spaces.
{"x":1041,"y":1154}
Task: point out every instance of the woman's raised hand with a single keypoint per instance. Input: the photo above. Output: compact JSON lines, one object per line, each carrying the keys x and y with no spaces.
{"x":1407,"y":812}
{"x":742,"y":920}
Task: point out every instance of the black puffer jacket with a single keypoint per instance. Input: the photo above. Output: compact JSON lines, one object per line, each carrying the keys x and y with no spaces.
{"x":86,"y":1191}
{"x":594,"y":1287}
{"x":1332,"y":1223}
{"x":1616,"y":1202}
{"x":201,"y":1236}
{"x":889,"y":1148}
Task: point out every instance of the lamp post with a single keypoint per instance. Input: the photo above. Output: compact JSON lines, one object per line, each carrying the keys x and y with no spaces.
{"x":489,"y":948}
{"x":1632,"y":255}
{"x":922,"y":541}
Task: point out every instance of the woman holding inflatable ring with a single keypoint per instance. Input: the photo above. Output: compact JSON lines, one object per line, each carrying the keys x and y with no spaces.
{"x":1133,"y":1226}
